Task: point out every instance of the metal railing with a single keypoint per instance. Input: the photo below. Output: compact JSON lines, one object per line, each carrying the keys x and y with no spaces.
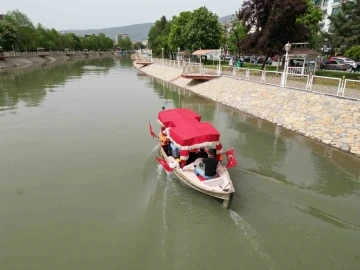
{"x":325,"y":85}
{"x":351,"y":89}
{"x":344,"y":88}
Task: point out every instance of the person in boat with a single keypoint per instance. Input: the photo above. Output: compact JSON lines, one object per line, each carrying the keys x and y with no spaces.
{"x":210,"y":163}
{"x":192,"y":156}
{"x":174,"y":150}
{"x":202,"y":153}
{"x":164,"y":140}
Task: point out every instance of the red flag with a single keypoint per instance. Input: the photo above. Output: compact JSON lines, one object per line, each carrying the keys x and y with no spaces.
{"x":151,"y":131}
{"x":230,"y":155}
{"x":164,"y":163}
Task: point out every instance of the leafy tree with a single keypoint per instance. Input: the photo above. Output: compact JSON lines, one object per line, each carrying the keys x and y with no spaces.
{"x":204,"y":30}
{"x":237,"y":33}
{"x":353,"y":52}
{"x":275,"y":22}
{"x":138,"y":45}
{"x":24,"y":27}
{"x":45,"y":38}
{"x":345,"y":25}
{"x":311,"y":19}
{"x":125,"y":43}
{"x":8,"y":36}
{"x":76,"y":42}
{"x":178,"y":37}
{"x":93,"y":42}
{"x":158,"y":37}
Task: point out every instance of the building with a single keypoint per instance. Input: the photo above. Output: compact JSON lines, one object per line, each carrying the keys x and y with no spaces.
{"x":120,"y":36}
{"x":2,"y":17}
{"x":328,"y":8}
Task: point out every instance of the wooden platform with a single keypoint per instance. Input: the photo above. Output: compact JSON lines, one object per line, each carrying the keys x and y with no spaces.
{"x":143,"y":63}
{"x":43,"y":54}
{"x":204,"y":77}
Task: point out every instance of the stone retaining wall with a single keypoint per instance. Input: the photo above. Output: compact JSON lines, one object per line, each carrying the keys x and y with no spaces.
{"x":327,"y":119}
{"x":15,"y":61}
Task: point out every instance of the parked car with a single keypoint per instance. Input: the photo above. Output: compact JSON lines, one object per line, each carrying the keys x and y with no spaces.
{"x":334,"y":65}
{"x":346,"y":60}
{"x":228,"y":57}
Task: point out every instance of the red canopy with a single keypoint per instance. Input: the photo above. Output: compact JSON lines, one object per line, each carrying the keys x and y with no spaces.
{"x":186,"y":130}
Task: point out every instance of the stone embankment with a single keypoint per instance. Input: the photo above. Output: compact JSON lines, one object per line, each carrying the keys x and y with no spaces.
{"x":331,"y":120}
{"x":15,"y":61}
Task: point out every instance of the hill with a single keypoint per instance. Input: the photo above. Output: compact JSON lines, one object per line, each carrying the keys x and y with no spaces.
{"x":135,"y":31}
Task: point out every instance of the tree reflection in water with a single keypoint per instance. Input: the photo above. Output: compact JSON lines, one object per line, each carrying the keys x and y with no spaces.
{"x":30,"y":85}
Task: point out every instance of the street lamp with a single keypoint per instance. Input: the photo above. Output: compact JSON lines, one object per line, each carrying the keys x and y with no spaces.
{"x":219,"y":71}
{"x":285,"y":71}
{"x":162,"y":53}
{"x":200,"y":56}
{"x":178,"y":57}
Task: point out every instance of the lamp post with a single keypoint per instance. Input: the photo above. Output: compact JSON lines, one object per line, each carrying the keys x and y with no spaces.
{"x":178,"y":57}
{"x":219,"y":69}
{"x":285,"y":71}
{"x":162,"y":55}
{"x":200,"y":56}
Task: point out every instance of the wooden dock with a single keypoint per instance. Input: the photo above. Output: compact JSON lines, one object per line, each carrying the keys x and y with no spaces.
{"x":203,"y":77}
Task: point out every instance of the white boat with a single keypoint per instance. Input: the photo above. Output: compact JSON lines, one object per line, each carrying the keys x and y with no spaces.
{"x":186,"y":132}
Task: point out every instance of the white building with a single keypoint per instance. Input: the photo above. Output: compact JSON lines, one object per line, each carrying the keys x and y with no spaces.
{"x":328,"y":7}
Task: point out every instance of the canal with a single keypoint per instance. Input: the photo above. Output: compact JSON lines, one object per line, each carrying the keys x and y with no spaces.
{"x":80,"y":187}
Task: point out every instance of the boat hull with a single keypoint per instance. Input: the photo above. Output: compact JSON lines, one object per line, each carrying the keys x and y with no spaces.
{"x":225,"y":196}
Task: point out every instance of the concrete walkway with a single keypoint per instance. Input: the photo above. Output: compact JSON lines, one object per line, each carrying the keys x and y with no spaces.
{"x":327,"y":119}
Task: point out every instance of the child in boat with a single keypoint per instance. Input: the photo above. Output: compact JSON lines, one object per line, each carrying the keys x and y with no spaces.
{"x":210,"y":166}
{"x":164,"y":140}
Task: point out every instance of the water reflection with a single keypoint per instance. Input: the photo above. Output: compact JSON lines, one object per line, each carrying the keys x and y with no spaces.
{"x":30,"y":85}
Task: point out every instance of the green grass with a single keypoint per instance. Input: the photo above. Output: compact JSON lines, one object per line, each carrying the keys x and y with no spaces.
{"x":338,"y":74}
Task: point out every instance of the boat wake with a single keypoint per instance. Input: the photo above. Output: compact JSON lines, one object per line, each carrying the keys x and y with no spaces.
{"x":164,"y":220}
{"x":250,"y":234}
{"x":154,"y":150}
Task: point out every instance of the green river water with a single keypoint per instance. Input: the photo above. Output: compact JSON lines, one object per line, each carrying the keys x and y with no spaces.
{"x":80,"y":187}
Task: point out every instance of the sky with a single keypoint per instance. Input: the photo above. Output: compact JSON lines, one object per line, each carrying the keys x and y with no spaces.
{"x":94,"y":14}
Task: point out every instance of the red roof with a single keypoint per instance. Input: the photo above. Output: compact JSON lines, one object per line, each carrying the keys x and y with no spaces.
{"x":186,"y":128}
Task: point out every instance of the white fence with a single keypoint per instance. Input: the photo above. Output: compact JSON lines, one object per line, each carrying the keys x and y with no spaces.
{"x":344,"y":88}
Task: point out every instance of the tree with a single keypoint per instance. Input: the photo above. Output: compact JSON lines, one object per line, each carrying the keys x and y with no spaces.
{"x":274,"y":23}
{"x":158,"y":37}
{"x":9,"y":36}
{"x":237,"y":33}
{"x":24,"y":27}
{"x":178,"y":37}
{"x":353,"y":52}
{"x":204,"y":30}
{"x":311,"y":19}
{"x":138,"y":45}
{"x":345,"y":25}
{"x":125,"y":43}
{"x":76,"y":41}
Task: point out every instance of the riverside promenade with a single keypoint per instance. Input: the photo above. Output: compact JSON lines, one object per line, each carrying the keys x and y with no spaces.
{"x":333,"y":121}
